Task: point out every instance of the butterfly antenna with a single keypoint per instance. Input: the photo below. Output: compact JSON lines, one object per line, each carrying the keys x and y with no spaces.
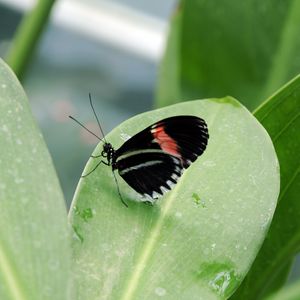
{"x":91,"y":103}
{"x":86,"y":128}
{"x":119,"y":190}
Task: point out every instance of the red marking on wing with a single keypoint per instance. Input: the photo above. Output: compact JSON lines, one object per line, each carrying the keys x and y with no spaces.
{"x":166,"y":143}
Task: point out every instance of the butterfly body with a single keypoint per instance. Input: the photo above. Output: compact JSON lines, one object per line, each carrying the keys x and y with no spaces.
{"x":152,"y":161}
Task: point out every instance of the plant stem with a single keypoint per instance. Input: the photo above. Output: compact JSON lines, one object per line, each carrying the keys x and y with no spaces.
{"x":27,"y":36}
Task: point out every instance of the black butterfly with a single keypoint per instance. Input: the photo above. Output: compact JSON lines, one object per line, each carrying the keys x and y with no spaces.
{"x":152,"y":161}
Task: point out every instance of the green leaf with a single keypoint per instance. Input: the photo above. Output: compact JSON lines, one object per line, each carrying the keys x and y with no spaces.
{"x":200,"y":238}
{"x":280,"y":116}
{"x":291,"y":292}
{"x":27,"y":36}
{"x":34,"y":238}
{"x":246,"y":49}
{"x":168,"y":90}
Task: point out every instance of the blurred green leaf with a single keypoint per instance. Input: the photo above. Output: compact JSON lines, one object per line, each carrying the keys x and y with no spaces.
{"x":280,"y":116}
{"x":245,"y":49}
{"x":199,"y":239}
{"x":168,"y":90}
{"x":34,"y":238}
{"x":291,"y":292}
{"x":27,"y":36}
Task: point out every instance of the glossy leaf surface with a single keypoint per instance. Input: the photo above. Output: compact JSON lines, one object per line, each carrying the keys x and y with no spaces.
{"x":200,"y":239}
{"x":35,"y":253}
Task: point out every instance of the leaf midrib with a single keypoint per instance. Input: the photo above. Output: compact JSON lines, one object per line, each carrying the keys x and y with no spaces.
{"x":132,"y":283}
{"x":147,"y":250}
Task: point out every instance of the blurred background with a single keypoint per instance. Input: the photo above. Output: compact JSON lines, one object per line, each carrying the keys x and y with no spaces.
{"x":108,"y":48}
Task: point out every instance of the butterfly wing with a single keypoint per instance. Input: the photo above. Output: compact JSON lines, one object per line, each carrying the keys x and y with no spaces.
{"x":150,"y":173}
{"x":152,"y":160}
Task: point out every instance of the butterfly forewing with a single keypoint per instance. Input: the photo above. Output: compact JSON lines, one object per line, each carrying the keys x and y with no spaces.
{"x":153,"y":159}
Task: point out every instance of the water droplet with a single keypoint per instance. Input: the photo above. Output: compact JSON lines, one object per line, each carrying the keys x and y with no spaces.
{"x":86,"y":214}
{"x":209,"y":163}
{"x":77,"y":234}
{"x":3,"y":85}
{"x":4,"y":128}
{"x":76,"y":210}
{"x":178,"y":214}
{"x":221,"y":277}
{"x":24,"y":200}
{"x":120,"y":253}
{"x":216,"y":216}
{"x":220,"y":282}
{"x":213,"y":246}
{"x":159,"y":291}
{"x":19,"y":180}
{"x":198,"y":201}
{"x":19,"y":142}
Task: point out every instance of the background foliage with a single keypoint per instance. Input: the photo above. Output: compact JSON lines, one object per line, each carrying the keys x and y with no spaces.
{"x":244,"y":49}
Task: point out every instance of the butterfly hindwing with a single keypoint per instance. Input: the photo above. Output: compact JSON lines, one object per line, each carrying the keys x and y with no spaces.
{"x":152,"y":160}
{"x":150,"y":172}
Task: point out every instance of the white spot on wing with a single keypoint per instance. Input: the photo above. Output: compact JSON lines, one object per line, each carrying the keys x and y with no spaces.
{"x":155,"y":195}
{"x":170,"y":183}
{"x":147,"y":198}
{"x":163,"y":189}
{"x":176,"y":160}
{"x":174,"y":176}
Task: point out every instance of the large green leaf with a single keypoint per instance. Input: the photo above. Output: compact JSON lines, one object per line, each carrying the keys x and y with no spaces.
{"x":281,"y":117}
{"x":290,"y":292}
{"x":198,"y":241}
{"x":34,"y":238}
{"x":246,"y":49}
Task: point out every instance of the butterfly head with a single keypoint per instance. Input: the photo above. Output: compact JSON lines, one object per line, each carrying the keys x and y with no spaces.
{"x":108,"y":151}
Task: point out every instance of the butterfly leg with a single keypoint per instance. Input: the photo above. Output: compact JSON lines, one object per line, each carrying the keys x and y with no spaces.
{"x":98,"y":164}
{"x":95,"y":156}
{"x":103,"y":154}
{"x":122,"y":200}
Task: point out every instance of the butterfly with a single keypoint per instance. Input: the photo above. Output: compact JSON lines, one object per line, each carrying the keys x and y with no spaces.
{"x":152,"y":161}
